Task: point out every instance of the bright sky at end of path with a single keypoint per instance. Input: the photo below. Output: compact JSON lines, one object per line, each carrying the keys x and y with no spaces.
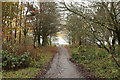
{"x":60,"y":39}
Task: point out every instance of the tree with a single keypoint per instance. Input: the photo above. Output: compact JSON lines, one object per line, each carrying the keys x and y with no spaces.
{"x":10,"y":12}
{"x":46,"y":22}
{"x":101,"y":20}
{"x":76,"y":29}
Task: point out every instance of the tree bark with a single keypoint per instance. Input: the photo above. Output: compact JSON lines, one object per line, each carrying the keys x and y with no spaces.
{"x":44,"y":42}
{"x":34,"y":41}
{"x":38,"y":40}
{"x":20,"y":36}
{"x":15,"y":35}
{"x":115,"y":60}
{"x":80,"y":43}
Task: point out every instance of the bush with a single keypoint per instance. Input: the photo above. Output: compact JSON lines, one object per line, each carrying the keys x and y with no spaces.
{"x":10,"y":61}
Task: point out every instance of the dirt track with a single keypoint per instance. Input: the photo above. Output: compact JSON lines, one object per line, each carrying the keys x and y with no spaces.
{"x":61,"y":67}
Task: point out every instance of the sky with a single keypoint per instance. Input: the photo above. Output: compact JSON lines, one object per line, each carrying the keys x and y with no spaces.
{"x":61,"y":41}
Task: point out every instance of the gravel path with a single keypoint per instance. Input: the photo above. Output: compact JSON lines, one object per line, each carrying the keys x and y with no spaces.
{"x":61,"y":67}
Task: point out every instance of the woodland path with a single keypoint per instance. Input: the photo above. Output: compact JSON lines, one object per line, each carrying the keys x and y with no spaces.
{"x":61,"y":67}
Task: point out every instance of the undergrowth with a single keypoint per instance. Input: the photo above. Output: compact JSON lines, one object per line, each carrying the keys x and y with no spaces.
{"x":25,"y":61}
{"x":96,"y":60}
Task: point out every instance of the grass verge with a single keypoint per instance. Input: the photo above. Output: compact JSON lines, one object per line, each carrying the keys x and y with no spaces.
{"x":96,"y":60}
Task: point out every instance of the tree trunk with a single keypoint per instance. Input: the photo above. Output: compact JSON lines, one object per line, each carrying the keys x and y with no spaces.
{"x":10,"y":38}
{"x":115,"y":61}
{"x":50,"y":42}
{"x":25,"y":34}
{"x":38,"y":40}
{"x":25,"y":40}
{"x":20,"y":36}
{"x":20,"y":24}
{"x":15,"y":35}
{"x":7,"y":39}
{"x":80,"y":43}
{"x":34,"y":41}
{"x":44,"y":42}
{"x":112,"y":52}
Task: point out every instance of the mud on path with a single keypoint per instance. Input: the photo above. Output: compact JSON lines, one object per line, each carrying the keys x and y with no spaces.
{"x":61,"y":67}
